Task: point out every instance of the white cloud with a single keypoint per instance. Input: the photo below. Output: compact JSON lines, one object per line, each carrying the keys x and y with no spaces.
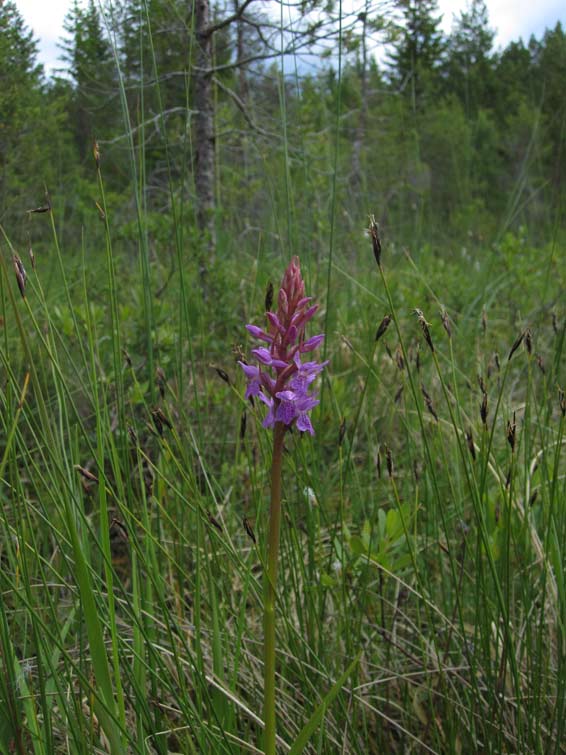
{"x":511,"y":18}
{"x":45,"y":18}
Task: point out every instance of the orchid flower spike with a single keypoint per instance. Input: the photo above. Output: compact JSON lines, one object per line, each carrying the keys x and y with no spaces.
{"x":282,"y":380}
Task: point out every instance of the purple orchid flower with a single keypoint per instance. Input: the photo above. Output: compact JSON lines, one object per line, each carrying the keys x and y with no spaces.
{"x":281,"y":381}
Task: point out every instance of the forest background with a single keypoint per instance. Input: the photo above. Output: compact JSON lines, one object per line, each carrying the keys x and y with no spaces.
{"x":446,"y":136}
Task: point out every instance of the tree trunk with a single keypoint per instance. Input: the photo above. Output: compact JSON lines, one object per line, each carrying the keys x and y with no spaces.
{"x":359,"y":139}
{"x":204,"y":127}
{"x":240,"y":53}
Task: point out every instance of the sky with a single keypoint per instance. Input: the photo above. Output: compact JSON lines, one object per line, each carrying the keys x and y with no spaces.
{"x":510,"y":18}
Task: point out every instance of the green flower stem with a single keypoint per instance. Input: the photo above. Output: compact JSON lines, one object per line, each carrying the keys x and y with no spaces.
{"x":269,"y":596}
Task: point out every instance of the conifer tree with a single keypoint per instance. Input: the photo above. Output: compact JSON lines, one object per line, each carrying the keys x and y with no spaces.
{"x":470,"y":73}
{"x":514,"y":74}
{"x":550,"y":67}
{"x":25,"y":117}
{"x":417,"y":57}
{"x":90,"y":63}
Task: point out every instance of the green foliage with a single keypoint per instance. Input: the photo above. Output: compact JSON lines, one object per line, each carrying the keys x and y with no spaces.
{"x":30,"y":142}
{"x":94,"y":109}
{"x":399,"y":541}
{"x":551,"y":64}
{"x":418,"y":53}
{"x":469,"y":68}
{"x":490,"y":134}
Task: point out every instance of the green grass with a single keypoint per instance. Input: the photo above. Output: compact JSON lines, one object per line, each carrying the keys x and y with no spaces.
{"x":131,"y":600}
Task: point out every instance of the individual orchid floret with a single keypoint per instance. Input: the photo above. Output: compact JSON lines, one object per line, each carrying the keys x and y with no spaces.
{"x":253,"y":375}
{"x":306,"y":374}
{"x":312,"y":344}
{"x":259,"y":333}
{"x":281,"y":380}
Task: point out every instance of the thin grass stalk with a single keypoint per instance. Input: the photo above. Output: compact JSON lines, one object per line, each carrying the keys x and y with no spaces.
{"x":138,"y":184}
{"x":333,"y":200}
{"x":270,"y":591}
{"x":177,"y":218}
{"x":422,"y":427}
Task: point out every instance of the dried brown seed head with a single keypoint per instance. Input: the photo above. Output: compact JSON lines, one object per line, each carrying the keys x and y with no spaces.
{"x":529,"y":341}
{"x":425,"y":327}
{"x":21,"y":275}
{"x":96,"y":153}
{"x":378,"y":462}
{"x":375,"y":239}
{"x":399,"y":359}
{"x":214,"y":521}
{"x":101,"y":213}
{"x":511,"y":432}
{"x":518,"y":341}
{"x":44,"y":208}
{"x":383,"y":325}
{"x":484,"y":409}
{"x":446,"y":323}
{"x":471,"y":445}
{"x":496,"y":361}
{"x":160,"y":381}
{"x":86,"y":474}
{"x":249,"y":530}
{"x":222,"y":374}
{"x":160,"y":420}
{"x":484,"y":321}
{"x":389,"y":461}
{"x":428,"y":402}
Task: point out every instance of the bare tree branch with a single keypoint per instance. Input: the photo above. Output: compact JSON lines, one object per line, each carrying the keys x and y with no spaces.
{"x":242,"y":107}
{"x":228,"y":20}
{"x":148,"y":122}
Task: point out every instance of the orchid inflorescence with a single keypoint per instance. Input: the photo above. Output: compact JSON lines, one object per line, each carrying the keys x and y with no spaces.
{"x":282,"y":381}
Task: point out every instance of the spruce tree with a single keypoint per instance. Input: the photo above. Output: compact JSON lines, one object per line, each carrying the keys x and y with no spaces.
{"x":90,"y":63}
{"x":550,"y":67}
{"x":416,"y":60}
{"x":469,"y":65}
{"x":26,"y":118}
